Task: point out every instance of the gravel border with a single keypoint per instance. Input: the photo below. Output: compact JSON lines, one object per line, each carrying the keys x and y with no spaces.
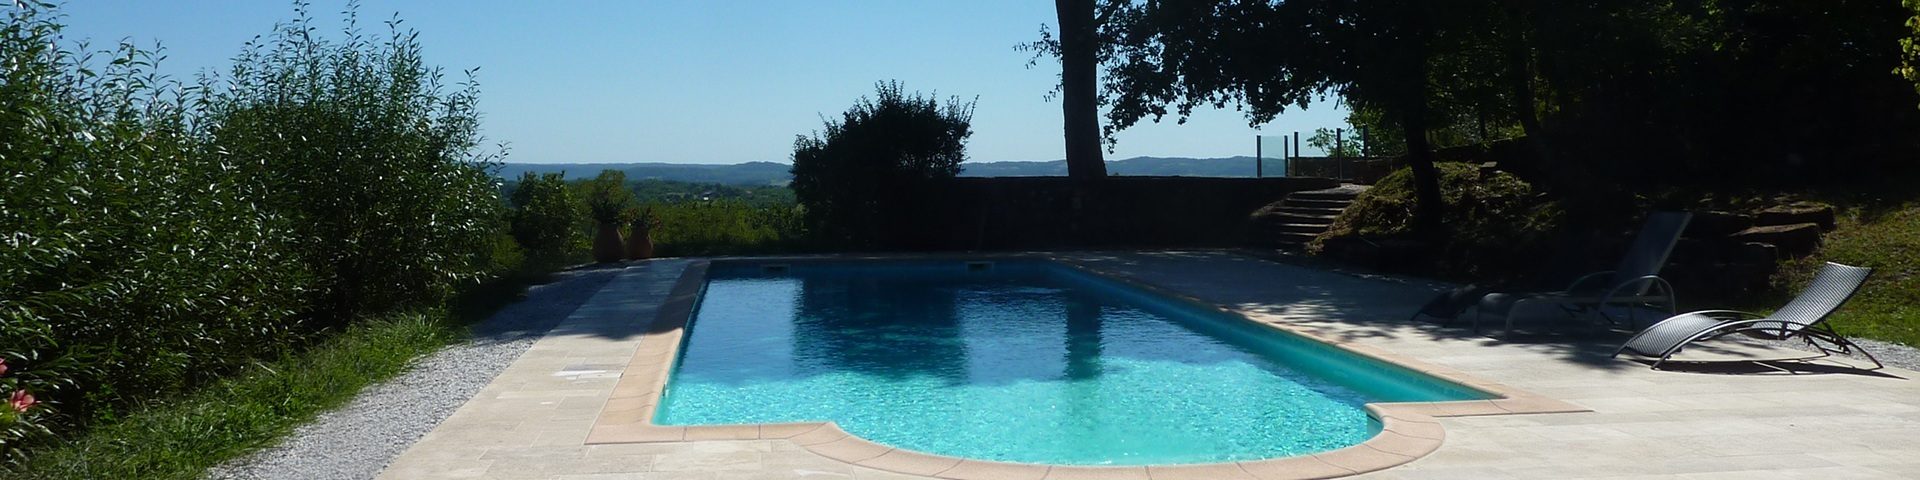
{"x":356,"y":441}
{"x":1892,"y":354}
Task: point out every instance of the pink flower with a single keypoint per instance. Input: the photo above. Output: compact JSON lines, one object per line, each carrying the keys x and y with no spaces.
{"x":3,"y":366}
{"x":21,"y":401}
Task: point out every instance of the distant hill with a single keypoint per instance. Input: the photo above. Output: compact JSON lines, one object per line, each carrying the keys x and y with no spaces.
{"x":770,"y":173}
{"x":750,"y":173}
{"x":1136,"y":166}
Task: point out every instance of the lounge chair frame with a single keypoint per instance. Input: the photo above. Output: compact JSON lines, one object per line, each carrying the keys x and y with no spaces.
{"x":1815,"y":332}
{"x":1579,"y":300}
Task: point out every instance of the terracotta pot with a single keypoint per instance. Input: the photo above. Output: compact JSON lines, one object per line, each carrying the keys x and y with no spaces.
{"x":640,"y":244}
{"x":606,"y":243}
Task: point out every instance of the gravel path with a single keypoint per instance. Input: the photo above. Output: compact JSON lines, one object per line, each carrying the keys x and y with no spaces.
{"x":359,"y":439}
{"x":1892,"y":354}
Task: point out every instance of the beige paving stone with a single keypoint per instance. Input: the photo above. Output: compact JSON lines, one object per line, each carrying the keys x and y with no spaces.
{"x":982,"y":470}
{"x":708,"y":462}
{"x":1221,"y":471}
{"x":850,"y":449}
{"x":723,"y":432}
{"x":1301,"y":467}
{"x":1097,"y":473}
{"x":786,"y":430}
{"x":915,"y":463}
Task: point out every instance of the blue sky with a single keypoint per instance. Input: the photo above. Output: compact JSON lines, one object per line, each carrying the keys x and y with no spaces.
{"x":700,"y":81}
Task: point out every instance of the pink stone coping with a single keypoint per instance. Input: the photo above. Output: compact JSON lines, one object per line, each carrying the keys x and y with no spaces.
{"x":1408,"y":432}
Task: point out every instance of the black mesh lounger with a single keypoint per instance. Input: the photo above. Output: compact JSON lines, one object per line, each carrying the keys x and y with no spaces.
{"x":1803,"y":318}
{"x":1631,"y":283}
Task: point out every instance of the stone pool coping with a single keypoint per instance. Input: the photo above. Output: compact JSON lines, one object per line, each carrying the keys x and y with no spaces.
{"x":1409,"y":430}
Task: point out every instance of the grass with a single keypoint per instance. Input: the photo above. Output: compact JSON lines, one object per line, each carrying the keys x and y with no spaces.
{"x":182,"y":438}
{"x":1885,"y":237}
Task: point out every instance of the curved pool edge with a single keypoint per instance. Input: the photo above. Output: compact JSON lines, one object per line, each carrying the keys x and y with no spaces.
{"x":1404,"y":437}
{"x":1409,"y":430}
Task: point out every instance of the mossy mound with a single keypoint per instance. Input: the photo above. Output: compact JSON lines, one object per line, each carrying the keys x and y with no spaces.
{"x":1498,"y":226}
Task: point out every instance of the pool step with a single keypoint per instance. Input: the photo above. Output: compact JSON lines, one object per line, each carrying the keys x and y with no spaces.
{"x":1297,"y":219}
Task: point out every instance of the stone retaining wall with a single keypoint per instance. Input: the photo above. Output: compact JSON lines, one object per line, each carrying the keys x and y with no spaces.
{"x":1005,"y":213}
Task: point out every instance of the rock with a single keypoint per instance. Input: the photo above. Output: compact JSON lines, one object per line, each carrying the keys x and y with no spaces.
{"x":1795,"y":240}
{"x":1715,"y":224}
{"x":1802,"y":212}
{"x":1755,"y":253}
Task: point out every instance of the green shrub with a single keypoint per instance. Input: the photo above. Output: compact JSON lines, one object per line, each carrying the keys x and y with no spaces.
{"x":862,"y":178}
{"x":162,"y":236}
{"x":137,"y":261}
{"x":608,"y":198}
{"x":724,"y":227}
{"x":376,"y":163}
{"x":546,"y":219}
{"x":1497,"y":224}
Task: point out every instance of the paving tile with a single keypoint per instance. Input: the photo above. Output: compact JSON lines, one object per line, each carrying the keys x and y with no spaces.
{"x":1097,"y":473}
{"x":1224,"y":471}
{"x":849,"y":449}
{"x":1294,"y":468}
{"x":915,"y":463}
{"x":980,"y":470}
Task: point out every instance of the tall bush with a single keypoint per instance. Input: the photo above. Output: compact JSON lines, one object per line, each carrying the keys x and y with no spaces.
{"x":863,"y":178}
{"x":371,"y":155}
{"x":134,"y":259}
{"x":546,"y":218}
{"x":608,"y":198}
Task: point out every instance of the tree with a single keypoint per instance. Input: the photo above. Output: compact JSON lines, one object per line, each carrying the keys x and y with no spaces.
{"x":1079,"y":88}
{"x":607,"y":197}
{"x":1267,"y":56}
{"x":864,"y":176}
{"x":545,"y":218}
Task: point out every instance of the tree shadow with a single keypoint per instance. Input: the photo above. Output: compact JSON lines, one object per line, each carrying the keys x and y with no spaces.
{"x":1330,"y":301}
{"x":544,"y":305}
{"x":1790,"y":366}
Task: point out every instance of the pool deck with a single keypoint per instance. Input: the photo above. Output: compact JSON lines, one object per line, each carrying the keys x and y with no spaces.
{"x":1822,"y":420}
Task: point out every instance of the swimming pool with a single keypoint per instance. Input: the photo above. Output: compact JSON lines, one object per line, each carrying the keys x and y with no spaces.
{"x":1020,"y":361}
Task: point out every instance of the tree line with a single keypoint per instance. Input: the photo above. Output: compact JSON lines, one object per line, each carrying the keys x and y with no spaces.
{"x":1606,"y":97}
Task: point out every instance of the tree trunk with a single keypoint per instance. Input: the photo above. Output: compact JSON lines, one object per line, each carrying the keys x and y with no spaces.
{"x":1427,"y":208}
{"x":1580,"y":195}
{"x":1079,"y":84}
{"x":1427,"y":222}
{"x":1520,"y":69}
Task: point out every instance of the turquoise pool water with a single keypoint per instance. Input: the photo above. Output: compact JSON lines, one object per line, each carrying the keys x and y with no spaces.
{"x":1022,"y":361}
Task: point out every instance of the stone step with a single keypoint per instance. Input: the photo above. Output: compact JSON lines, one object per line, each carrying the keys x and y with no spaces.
{"x":1324,"y":195}
{"x":1795,"y":240}
{"x":1317,"y":203}
{"x":1283,"y":218}
{"x":1311,"y":211}
{"x":1312,"y":228}
{"x":1294,"y":238}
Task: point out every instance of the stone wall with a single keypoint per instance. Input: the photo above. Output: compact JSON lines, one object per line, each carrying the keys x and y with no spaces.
{"x":1018,"y":213}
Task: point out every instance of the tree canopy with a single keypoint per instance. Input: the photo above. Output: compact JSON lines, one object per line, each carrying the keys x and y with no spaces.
{"x":1642,"y":93}
{"x":860,"y":176}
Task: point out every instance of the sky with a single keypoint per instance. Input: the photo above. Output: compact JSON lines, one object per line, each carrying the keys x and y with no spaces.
{"x":614,"y":81}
